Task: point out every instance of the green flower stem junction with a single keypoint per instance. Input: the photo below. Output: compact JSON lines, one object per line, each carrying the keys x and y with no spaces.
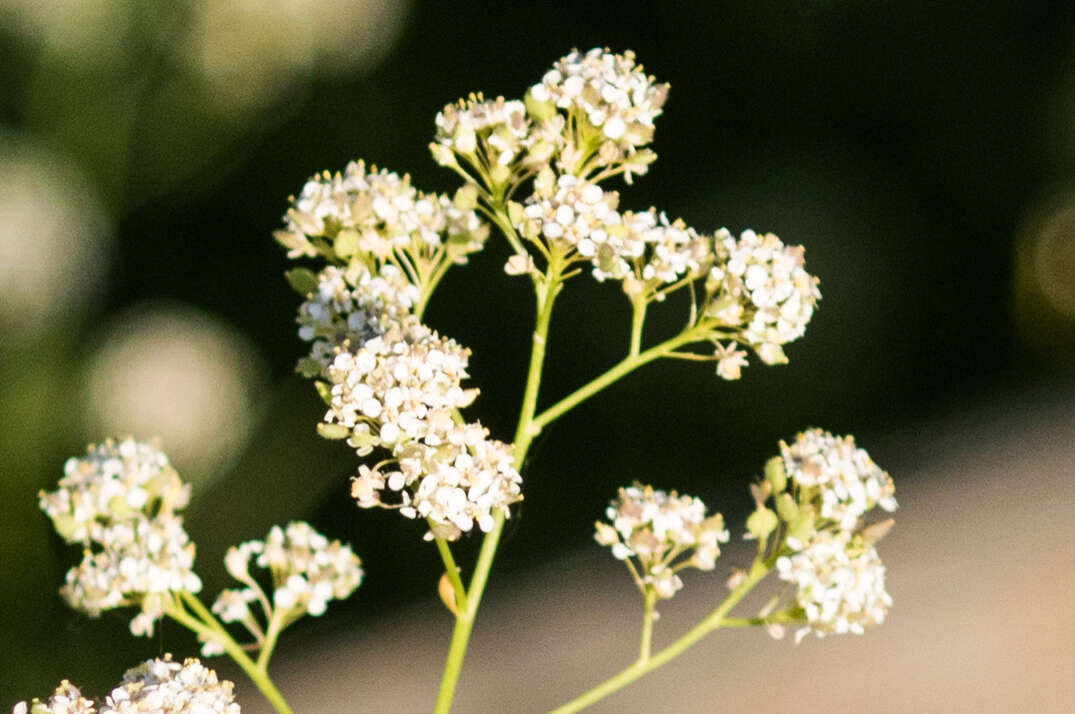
{"x":209,"y":628}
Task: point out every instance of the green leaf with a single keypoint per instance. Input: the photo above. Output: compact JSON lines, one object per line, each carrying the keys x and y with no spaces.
{"x":302,"y":280}
{"x":309,"y":367}
{"x":324,"y":391}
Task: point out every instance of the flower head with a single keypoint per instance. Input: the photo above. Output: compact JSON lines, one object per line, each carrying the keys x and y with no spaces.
{"x":121,"y":503}
{"x":612,"y":102}
{"x":350,"y":306}
{"x":371,"y":214}
{"x":843,"y":478}
{"x":398,"y":387}
{"x":163,"y":686}
{"x":571,"y":212}
{"x":66,"y":700}
{"x":307,"y":570}
{"x":760,"y":286}
{"x":455,"y":486}
{"x":657,"y":528}
{"x":841,"y":584}
{"x":496,"y":129}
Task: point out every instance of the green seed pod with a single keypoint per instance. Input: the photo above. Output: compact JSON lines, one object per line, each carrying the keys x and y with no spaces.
{"x":762,"y":522}
{"x":775,"y":474}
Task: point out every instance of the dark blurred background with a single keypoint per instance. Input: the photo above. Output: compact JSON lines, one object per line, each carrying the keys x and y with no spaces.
{"x":924,"y":153}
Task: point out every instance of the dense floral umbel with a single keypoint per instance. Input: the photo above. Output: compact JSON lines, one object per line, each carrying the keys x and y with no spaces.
{"x":350,"y":306}
{"x":657,"y":528}
{"x":569,"y":212}
{"x":157,"y":686}
{"x":759,"y":287}
{"x":117,"y":481}
{"x":841,"y":584}
{"x":398,"y":387}
{"x":66,"y":700}
{"x":120,"y":504}
{"x":842,"y":478}
{"x":454,"y":485}
{"x":163,"y":686}
{"x":379,"y":213}
{"x":611,"y":105}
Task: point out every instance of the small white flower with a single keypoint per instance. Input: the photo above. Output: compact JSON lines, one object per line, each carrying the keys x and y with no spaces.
{"x":163,"y":686}
{"x":841,"y":584}
{"x":657,"y":529}
{"x":847,"y":480}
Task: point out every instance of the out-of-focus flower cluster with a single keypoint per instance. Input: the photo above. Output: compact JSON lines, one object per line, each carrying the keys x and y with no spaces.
{"x":157,"y":686}
{"x":840,"y":478}
{"x":67,"y":699}
{"x":390,"y":381}
{"x":120,"y":503}
{"x":840,"y":581}
{"x":829,"y":555}
{"x":307,"y":571}
{"x":662,"y":532}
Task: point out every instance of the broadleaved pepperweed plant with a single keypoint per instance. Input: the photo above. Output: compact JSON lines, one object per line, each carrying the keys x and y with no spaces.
{"x":372,"y":249}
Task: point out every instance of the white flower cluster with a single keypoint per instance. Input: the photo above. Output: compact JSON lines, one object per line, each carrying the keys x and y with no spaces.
{"x":570,"y":212}
{"x":385,"y":214}
{"x":839,"y":576}
{"x":398,"y":387}
{"x":66,"y":700}
{"x":656,"y":528}
{"x":472,"y":124}
{"x":351,"y":306}
{"x":760,"y":284}
{"x":841,"y":584}
{"x":163,"y":686}
{"x":307,"y":570}
{"x":455,"y":484}
{"x":120,"y":503}
{"x":848,"y":481}
{"x":651,"y":251}
{"x":157,"y":686}
{"x":396,"y":384}
{"x":608,"y":94}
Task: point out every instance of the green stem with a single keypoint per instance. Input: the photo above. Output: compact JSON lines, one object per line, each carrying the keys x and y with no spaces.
{"x":524,"y":434}
{"x":641,"y":666}
{"x":625,"y":366}
{"x":213,"y":630}
{"x":452,"y":571}
{"x":638,"y":318}
{"x":276,"y":626}
{"x":646,"y":643}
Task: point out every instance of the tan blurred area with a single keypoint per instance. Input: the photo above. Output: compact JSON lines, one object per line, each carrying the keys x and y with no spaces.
{"x":979,"y":566}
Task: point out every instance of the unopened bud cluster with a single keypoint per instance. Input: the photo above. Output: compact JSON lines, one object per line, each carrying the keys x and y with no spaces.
{"x":663,"y":533}
{"x":121,"y":504}
{"x":157,"y":686}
